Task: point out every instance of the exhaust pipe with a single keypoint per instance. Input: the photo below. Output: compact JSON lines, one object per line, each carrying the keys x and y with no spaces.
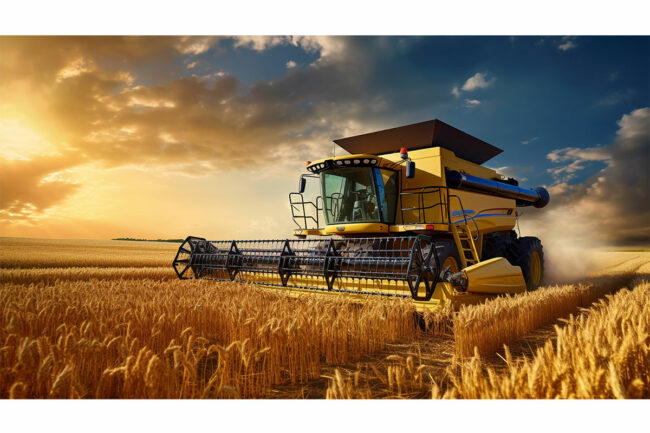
{"x":537,"y":197}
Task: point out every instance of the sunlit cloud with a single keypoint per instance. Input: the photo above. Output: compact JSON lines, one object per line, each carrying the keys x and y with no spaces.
{"x":478,"y":81}
{"x":260,"y":43}
{"x":611,"y":207}
{"x":144,"y":136}
{"x":195,"y":45}
{"x":568,"y":43}
{"x":150,"y":103}
{"x":30,"y":187}
{"x":326,"y":46}
{"x":75,"y":68}
{"x":19,"y":142}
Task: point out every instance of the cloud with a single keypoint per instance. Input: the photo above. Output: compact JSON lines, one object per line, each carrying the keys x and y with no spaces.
{"x":95,"y":100}
{"x":195,"y":44}
{"x":530,"y":140}
{"x":261,"y":43}
{"x":326,"y":46}
{"x":38,"y":60}
{"x":291,"y":64}
{"x":568,"y":43}
{"x":514,"y":172}
{"x":98,"y":112}
{"x":579,"y":154}
{"x":478,"y":81}
{"x":578,"y":158}
{"x":613,"y":206}
{"x":30,"y":187}
{"x":76,"y":67}
{"x":615,"y":98}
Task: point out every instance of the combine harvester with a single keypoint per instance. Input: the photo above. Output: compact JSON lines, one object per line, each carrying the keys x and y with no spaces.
{"x":426,"y":222}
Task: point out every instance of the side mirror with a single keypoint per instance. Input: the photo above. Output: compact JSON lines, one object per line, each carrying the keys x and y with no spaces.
{"x":410,"y":169}
{"x":302,"y":184}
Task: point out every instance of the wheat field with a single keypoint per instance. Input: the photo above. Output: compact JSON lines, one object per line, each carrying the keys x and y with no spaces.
{"x":109,"y":319}
{"x":604,"y":353}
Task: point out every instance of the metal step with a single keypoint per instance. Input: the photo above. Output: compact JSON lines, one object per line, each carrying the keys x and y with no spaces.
{"x":463,"y":235}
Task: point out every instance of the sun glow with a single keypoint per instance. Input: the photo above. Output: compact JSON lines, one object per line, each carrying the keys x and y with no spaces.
{"x":20,"y":142}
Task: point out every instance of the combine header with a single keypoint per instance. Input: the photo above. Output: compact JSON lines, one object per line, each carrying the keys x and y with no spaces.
{"x":439,"y":232}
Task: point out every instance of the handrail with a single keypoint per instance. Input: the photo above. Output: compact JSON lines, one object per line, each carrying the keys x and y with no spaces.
{"x":445,"y":205}
{"x":421,"y":208}
{"x":462,"y":209}
{"x":301,"y":205}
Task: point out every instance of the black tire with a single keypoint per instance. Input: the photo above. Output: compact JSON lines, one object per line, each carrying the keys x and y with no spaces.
{"x":498,"y":246}
{"x":523,"y":250}
{"x":446,"y":249}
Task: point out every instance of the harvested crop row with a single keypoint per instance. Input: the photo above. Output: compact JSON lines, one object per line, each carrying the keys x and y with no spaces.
{"x":152,"y":339}
{"x":602,"y":354}
{"x":396,"y":377}
{"x":605,"y":354}
{"x":487,"y":327}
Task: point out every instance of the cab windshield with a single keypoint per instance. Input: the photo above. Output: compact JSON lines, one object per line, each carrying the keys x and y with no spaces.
{"x":359,"y":194}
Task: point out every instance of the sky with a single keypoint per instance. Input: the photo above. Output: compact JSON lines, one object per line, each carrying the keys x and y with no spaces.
{"x":163,"y":137}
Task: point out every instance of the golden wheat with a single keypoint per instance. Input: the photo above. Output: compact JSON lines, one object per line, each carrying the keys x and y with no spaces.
{"x":397,"y":377}
{"x":60,"y":253}
{"x":84,"y":319}
{"x":51,"y":275}
{"x":173,"y":339}
{"x":488,"y":326}
{"x":604,"y":354}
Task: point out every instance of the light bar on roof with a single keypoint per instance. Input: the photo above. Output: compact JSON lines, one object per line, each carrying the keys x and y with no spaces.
{"x":341,"y":163}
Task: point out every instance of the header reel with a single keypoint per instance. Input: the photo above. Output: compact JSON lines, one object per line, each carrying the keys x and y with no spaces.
{"x":405,"y":266}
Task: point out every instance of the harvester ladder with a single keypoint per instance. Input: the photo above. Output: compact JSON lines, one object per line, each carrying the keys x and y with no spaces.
{"x":465,"y":244}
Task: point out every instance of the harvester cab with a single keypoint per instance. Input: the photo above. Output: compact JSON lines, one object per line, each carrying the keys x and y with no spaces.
{"x":409,"y":212}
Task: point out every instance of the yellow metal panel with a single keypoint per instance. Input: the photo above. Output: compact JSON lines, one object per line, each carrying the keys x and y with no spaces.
{"x":489,"y":212}
{"x":356,"y":228}
{"x":309,"y":232}
{"x":443,"y":294}
{"x":400,"y":228}
{"x":494,"y":276}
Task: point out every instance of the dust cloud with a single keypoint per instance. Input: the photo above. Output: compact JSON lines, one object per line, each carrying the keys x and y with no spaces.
{"x":570,"y":249}
{"x":608,"y":211}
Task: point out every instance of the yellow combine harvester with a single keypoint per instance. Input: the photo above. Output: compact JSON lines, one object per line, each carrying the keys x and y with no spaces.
{"x":410,"y":212}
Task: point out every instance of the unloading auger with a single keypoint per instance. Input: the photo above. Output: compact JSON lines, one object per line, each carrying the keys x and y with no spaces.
{"x":378,"y":226}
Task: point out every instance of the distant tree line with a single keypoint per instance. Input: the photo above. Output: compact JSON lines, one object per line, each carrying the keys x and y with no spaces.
{"x":148,"y":240}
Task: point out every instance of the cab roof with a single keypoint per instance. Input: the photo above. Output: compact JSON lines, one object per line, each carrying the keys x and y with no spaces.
{"x":431,"y":133}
